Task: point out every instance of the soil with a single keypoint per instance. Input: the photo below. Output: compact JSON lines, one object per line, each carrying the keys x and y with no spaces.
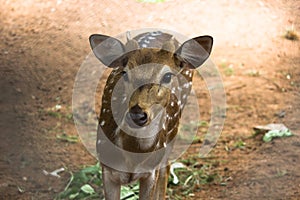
{"x":43,"y":44}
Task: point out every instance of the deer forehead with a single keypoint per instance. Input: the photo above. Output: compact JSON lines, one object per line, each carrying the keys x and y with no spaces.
{"x":150,"y":64}
{"x":151,"y":55}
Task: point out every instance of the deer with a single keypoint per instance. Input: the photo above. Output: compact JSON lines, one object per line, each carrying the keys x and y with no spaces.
{"x":143,"y":98}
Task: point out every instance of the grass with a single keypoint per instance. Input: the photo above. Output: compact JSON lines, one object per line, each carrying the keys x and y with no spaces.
{"x":227,"y":68}
{"x":59,"y":115}
{"x":54,"y":114}
{"x":240,"y":144}
{"x":229,"y":71}
{"x":58,"y":112}
{"x":67,"y":138}
{"x":253,"y":73}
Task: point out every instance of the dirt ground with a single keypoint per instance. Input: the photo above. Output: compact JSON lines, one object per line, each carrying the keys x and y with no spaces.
{"x":43,"y":43}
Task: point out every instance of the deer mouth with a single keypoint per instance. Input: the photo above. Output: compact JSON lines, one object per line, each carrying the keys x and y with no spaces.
{"x":136,"y":120}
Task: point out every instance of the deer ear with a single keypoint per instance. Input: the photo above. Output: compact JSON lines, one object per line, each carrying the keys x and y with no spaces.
{"x":195,"y":51}
{"x":107,"y":49}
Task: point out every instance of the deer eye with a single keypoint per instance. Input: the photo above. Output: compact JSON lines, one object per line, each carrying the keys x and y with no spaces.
{"x":166,"y":78}
{"x":125,"y":76}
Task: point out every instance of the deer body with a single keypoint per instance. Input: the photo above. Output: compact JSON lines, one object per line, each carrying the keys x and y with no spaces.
{"x":141,"y":107}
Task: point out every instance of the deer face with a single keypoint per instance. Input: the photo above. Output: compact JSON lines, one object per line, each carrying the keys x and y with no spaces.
{"x":149,"y":77}
{"x":148,"y":87}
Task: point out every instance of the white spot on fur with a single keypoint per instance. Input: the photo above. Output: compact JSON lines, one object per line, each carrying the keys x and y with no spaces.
{"x":186,"y":85}
{"x":173,"y":91}
{"x":156,"y":33}
{"x":179,"y":102}
{"x":114,"y":72}
{"x":140,"y":40}
{"x":172,"y":103}
{"x":123,"y":100}
{"x":102,"y":123}
{"x":164,"y":126}
{"x":151,"y":38}
{"x":170,"y":131}
{"x":165,"y":145}
{"x":111,"y":81}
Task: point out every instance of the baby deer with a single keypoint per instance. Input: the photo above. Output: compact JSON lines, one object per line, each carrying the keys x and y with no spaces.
{"x":142,"y":103}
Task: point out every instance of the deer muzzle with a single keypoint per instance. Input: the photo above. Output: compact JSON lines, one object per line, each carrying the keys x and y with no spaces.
{"x":137,"y":115}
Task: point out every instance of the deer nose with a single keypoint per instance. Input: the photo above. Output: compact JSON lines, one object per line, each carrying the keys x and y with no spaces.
{"x":138,"y":116}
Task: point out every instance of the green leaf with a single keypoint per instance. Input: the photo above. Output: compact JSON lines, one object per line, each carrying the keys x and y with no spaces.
{"x":276,"y":133}
{"x":87,"y":189}
{"x":73,"y":196}
{"x":128,"y":193}
{"x":94,"y":169}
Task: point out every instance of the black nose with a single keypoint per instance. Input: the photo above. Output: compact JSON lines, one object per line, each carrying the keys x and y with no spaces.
{"x":138,"y":116}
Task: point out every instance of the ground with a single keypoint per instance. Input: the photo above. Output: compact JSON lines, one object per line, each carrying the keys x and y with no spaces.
{"x":43,"y":44}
